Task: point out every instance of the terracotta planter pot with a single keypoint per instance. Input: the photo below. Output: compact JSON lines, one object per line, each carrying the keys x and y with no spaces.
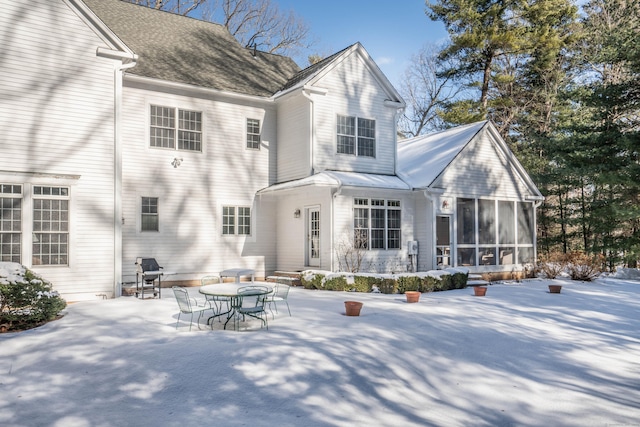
{"x":352,"y":308}
{"x":412,"y":296}
{"x":479,"y":291}
{"x":555,"y":289}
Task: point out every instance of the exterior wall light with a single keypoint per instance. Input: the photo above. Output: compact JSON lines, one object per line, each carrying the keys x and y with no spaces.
{"x":296,"y":213}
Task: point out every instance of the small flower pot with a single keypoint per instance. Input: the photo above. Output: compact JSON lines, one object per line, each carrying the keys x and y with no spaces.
{"x":479,"y":291}
{"x":352,"y":308}
{"x":412,"y":296}
{"x":555,"y":289}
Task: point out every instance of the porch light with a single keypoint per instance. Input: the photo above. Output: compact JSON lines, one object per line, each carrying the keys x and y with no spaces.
{"x":296,"y":213}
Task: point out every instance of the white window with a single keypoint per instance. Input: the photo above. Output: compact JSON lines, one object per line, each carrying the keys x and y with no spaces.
{"x":356,"y":136}
{"x":376,"y":223}
{"x":183,"y":133}
{"x":10,"y":222}
{"x":50,"y":225}
{"x":253,"y":134}
{"x":149,"y":219}
{"x":236,"y":220}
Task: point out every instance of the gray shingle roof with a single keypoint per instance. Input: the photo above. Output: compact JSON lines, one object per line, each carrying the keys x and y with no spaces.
{"x":185,"y":50}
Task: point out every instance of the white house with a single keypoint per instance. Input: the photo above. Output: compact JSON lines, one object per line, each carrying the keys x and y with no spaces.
{"x":131,"y":132}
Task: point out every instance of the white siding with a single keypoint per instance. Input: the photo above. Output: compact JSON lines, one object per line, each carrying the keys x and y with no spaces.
{"x":377,"y":260}
{"x":353,"y":91}
{"x":292,"y":232}
{"x":482,"y":170}
{"x":191,"y":196}
{"x":56,"y":119}
{"x":294,"y":136}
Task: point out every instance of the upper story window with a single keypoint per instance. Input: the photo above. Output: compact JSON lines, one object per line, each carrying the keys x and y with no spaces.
{"x":253,"y":134}
{"x":356,"y":136}
{"x":50,"y":225}
{"x":10,"y":222}
{"x":175,"y":128}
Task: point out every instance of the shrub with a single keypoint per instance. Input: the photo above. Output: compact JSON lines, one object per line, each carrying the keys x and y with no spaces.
{"x":336,"y":283}
{"x":388,"y":286}
{"x":365,"y":283}
{"x":583,"y":266}
{"x":429,"y":284}
{"x":459,"y":280}
{"x":26,"y":300}
{"x":552,"y":264}
{"x":409,"y":283}
{"x":311,"y":280}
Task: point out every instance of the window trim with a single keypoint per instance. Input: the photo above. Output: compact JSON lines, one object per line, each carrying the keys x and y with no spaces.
{"x":237,"y":223}
{"x":366,"y":206}
{"x":12,"y":192}
{"x":248,"y":133}
{"x":148,"y":214}
{"x":356,"y":136}
{"x":64,"y":195}
{"x":176,"y":113}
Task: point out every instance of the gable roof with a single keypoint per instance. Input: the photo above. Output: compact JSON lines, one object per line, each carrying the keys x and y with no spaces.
{"x":423,"y":158}
{"x":316,"y":71}
{"x":185,"y":50}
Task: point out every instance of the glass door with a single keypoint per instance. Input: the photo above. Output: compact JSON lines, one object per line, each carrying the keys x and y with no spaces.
{"x":313,"y":237}
{"x":443,"y":241}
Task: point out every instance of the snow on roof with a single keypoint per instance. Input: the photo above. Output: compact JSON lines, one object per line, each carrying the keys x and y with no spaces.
{"x":421,"y":159}
{"x":348,"y":179}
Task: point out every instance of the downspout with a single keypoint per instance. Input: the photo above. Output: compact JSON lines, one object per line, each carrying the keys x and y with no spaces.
{"x":333,"y":231}
{"x":127,"y":60}
{"x":311,"y":130}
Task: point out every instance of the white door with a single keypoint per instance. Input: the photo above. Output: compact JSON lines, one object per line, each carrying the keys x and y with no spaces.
{"x":313,"y":237}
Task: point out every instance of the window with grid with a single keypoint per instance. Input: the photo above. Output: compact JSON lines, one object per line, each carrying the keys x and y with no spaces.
{"x":354,"y":129}
{"x":10,"y":222}
{"x":164,"y":128}
{"x":50,"y":225}
{"x":236,"y":220}
{"x":376,"y":223}
{"x":149,"y":219}
{"x":253,"y":134}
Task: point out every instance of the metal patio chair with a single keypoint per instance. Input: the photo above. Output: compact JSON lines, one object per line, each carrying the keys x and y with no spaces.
{"x":251,"y":302}
{"x":280,"y":294}
{"x":189,"y":305}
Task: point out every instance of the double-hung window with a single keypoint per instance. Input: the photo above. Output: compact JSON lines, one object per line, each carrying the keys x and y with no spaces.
{"x":236,"y":220}
{"x":376,"y":223}
{"x":50,"y":225}
{"x":149,"y":219}
{"x":356,"y":136}
{"x":253,"y":134}
{"x":10,"y":222}
{"x":175,"y":128}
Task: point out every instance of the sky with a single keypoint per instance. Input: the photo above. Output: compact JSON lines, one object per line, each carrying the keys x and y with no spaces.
{"x":390,"y":30}
{"x":519,"y":356}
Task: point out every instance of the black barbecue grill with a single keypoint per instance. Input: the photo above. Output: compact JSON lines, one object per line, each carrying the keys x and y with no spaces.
{"x":148,"y":277}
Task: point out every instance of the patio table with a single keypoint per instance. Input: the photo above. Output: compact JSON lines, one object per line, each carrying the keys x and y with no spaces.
{"x":230,"y":290}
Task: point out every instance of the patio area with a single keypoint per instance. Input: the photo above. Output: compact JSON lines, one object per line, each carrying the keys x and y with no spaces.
{"x":519,"y":356}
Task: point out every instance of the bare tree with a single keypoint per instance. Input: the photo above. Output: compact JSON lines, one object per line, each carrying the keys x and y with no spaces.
{"x":181,"y":7}
{"x":254,"y":23}
{"x":426,"y":90}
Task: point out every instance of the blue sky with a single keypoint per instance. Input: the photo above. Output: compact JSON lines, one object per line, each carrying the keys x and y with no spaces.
{"x":390,"y":30}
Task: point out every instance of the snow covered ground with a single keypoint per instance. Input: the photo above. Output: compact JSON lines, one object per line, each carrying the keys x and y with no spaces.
{"x":518,"y":357}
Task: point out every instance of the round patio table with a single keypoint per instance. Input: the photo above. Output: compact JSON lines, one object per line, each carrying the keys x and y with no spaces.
{"x":230,"y":290}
